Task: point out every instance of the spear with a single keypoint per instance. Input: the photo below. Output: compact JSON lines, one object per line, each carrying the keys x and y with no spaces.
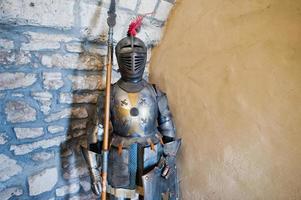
{"x":111,"y":22}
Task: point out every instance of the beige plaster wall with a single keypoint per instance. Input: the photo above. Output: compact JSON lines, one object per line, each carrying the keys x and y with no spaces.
{"x":232,"y":71}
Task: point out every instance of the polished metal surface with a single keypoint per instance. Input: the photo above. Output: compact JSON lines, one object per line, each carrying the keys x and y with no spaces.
{"x":134,"y":114}
{"x":93,"y":162}
{"x":172,"y":148}
{"x":166,"y":125}
{"x":159,"y":187}
{"x":152,"y":184}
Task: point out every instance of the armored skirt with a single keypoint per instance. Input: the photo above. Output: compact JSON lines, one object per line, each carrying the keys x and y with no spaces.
{"x":129,"y":162}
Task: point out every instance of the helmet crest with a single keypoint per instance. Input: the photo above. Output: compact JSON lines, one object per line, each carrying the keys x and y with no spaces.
{"x":131,"y":53}
{"x":135,"y":26}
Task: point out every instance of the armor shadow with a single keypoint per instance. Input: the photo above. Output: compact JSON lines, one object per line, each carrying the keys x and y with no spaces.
{"x":85,"y":102}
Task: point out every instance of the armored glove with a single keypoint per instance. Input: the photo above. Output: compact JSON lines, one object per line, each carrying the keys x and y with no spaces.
{"x":93,"y":162}
{"x":168,"y":162}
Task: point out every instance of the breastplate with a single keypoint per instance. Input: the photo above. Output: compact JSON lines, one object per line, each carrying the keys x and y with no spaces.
{"x":134,"y":114}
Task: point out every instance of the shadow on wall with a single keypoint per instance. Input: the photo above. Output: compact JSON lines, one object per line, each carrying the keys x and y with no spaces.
{"x":86,"y":100}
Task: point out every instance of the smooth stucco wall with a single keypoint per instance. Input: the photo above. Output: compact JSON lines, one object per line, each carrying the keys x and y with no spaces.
{"x":52,"y":79}
{"x":232,"y":72}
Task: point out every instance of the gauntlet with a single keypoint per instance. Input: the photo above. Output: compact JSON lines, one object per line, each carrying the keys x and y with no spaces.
{"x":93,"y":161}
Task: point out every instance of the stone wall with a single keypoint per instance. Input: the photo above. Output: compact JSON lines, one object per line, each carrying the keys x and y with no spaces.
{"x":52,"y":56}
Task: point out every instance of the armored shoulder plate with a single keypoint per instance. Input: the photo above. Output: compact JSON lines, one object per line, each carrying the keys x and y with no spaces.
{"x":165,"y":121}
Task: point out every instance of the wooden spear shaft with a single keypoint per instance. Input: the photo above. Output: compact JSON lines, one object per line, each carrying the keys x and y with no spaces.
{"x":105,"y":147}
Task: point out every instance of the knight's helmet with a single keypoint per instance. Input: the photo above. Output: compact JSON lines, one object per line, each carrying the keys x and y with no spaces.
{"x":131,"y":54}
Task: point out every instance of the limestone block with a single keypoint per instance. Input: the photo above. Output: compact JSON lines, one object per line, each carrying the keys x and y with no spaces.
{"x":8,"y":193}
{"x":6,"y":44}
{"x":77,"y":133}
{"x":163,"y":10}
{"x":17,"y":95}
{"x":22,"y":58}
{"x":44,"y":99}
{"x":40,"y":41}
{"x":43,"y":181}
{"x":7,"y":57}
{"x":19,"y":111}
{"x":93,"y":20}
{"x":75,"y":47}
{"x":56,"y":129}
{"x":78,"y":113}
{"x":74,"y":61}
{"x":76,"y":172}
{"x":11,"y":57}
{"x":123,"y":20}
{"x":94,"y":25}
{"x":16,"y":80}
{"x":78,"y":124}
{"x":8,"y":168}
{"x":79,"y":98}
{"x":150,"y":33}
{"x":147,"y":6}
{"x":55,"y":13}
{"x":43,"y":144}
{"x":67,"y":189}
{"x":97,"y":49}
{"x":128,"y":4}
{"x":43,"y":156}
{"x":87,"y":82}
{"x":24,"y":133}
{"x":52,"y":80}
{"x":3,"y":138}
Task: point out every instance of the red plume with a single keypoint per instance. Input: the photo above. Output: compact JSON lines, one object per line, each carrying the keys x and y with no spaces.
{"x":135,"y":26}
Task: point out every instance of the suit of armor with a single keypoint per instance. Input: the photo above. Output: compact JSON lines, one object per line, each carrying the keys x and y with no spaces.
{"x":143,"y":146}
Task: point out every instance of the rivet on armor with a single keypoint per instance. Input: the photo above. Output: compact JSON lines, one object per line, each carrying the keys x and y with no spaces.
{"x":134,"y":112}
